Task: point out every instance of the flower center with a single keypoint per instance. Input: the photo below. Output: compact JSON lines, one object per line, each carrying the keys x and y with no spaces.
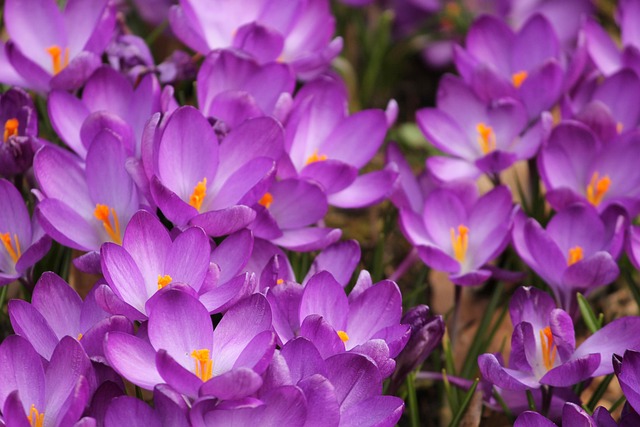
{"x":13,"y":249}
{"x":266,"y":200}
{"x":198,"y":195}
{"x":549,"y":349}
{"x":460,"y":242}
{"x":59,"y":58}
{"x":343,"y":336}
{"x":314,"y":157}
{"x":575,"y":255}
{"x":486,"y":138}
{"x":36,"y":419}
{"x":204,"y":364}
{"x":597,"y":188}
{"x":163,"y":281}
{"x":80,"y":335}
{"x":112,"y":228}
{"x":10,"y":129}
{"x":518,"y":78}
{"x":279,"y":281}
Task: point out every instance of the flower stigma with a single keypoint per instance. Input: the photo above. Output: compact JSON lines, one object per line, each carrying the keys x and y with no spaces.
{"x":518,"y":78}
{"x":10,"y":129}
{"x":113,"y":229}
{"x":163,"y":281}
{"x":314,"y":157}
{"x":266,"y":200}
{"x":204,"y":364}
{"x":198,"y":195}
{"x":575,"y":255}
{"x":460,"y":242}
{"x":13,"y":249}
{"x":59,"y":58}
{"x":343,"y":336}
{"x":597,"y":188}
{"x":486,"y":138}
{"x":36,"y":419}
{"x":549,"y":349}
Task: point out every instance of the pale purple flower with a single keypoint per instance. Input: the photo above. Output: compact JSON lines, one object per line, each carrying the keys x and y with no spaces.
{"x":19,"y":125}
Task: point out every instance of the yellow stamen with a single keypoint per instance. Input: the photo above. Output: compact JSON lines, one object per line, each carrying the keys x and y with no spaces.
{"x":575,"y":255}
{"x":619,"y":127}
{"x":549,"y":350}
{"x":163,"y":281}
{"x":266,"y":200}
{"x":36,"y":419}
{"x":14,"y":250}
{"x":79,"y":337}
{"x":198,"y":195}
{"x":343,"y":336}
{"x":460,"y":242}
{"x":204,"y":364}
{"x":486,"y":138}
{"x":279,"y":281}
{"x":59,"y":62}
{"x":315,"y":157}
{"x":10,"y":129}
{"x":113,"y":230}
{"x":597,"y":188}
{"x":518,"y":78}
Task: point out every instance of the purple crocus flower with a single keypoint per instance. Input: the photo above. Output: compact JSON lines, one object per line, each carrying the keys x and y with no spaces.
{"x":195,"y":180}
{"x":53,"y":49}
{"x":182,"y":347}
{"x":577,"y":166}
{"x":328,"y":146}
{"x":543,"y":346}
{"x":298,"y":33}
{"x":170,"y":410}
{"x":20,"y":131}
{"x":32,"y":394}
{"x":149,"y":260}
{"x":23,"y":240}
{"x":627,"y":368}
{"x":460,"y":235}
{"x":233,"y":87}
{"x":572,"y":415}
{"x":576,"y":252}
{"x":83,"y":206}
{"x":500,"y":63}
{"x":482,"y":138}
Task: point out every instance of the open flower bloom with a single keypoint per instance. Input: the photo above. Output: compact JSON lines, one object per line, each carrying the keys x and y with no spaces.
{"x":184,"y":351}
{"x":56,"y":311}
{"x":576,"y":166}
{"x":458,"y":234}
{"x":198,"y":181}
{"x":19,"y":126}
{"x":576,"y":252}
{"x":33,"y":394}
{"x":150,"y":260}
{"x":499,"y":63}
{"x":572,"y":415}
{"x":543,"y":346}
{"x":297,"y":32}
{"x":232,"y":87}
{"x":326,"y":145}
{"x":85,"y":205}
{"x":53,"y":49}
{"x":169,"y":409}
{"x":23,"y":242}
{"x":627,"y":370}
{"x":482,"y":137}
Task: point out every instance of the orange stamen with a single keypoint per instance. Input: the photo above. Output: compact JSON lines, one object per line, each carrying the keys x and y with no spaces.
{"x":266,"y":200}
{"x":343,"y":336}
{"x":486,"y":138}
{"x":36,"y":419}
{"x":597,"y":188}
{"x":204,"y":364}
{"x":549,"y":350}
{"x":279,"y":281}
{"x":59,"y":62}
{"x":198,"y":195}
{"x":314,"y":157}
{"x":113,"y":230}
{"x":79,"y":337}
{"x":575,"y":255}
{"x":14,"y":250}
{"x":10,"y":129}
{"x":518,"y":78}
{"x":460,"y":242}
{"x":163,"y":281}
{"x":619,"y":127}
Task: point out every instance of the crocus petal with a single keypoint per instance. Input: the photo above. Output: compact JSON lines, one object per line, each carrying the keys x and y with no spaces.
{"x":331,"y":175}
{"x":602,"y":50}
{"x":77,"y":72}
{"x":67,"y":113}
{"x":532,"y":419}
{"x":317,"y":330}
{"x":126,"y":410}
{"x":377,"y":308}
{"x":375,"y":411}
{"x":322,"y":406}
{"x":132,"y":358}
{"x":36,"y":77}
{"x":123,"y":275}
{"x":232,"y":254}
{"x":354,"y":377}
{"x":366,"y":190}
{"x":308,"y":239}
{"x":182,"y":379}
{"x":509,"y":379}
{"x":339,"y":259}
{"x":234,"y":384}
{"x":284,"y":300}
{"x":489,"y":39}
{"x":21,"y":370}
{"x":58,"y":303}
{"x":66,"y":226}
{"x":224,"y":221}
{"x":572,"y":372}
{"x":325,"y":297}
{"x":30,"y":324}
{"x":14,"y":412}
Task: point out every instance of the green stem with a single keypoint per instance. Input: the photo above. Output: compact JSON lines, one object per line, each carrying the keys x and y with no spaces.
{"x":414,"y":413}
{"x":531,"y":400}
{"x":3,"y":296}
{"x":465,"y":404}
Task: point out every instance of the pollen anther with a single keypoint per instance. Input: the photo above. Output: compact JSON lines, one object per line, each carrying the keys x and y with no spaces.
{"x":460,"y":242}
{"x":59,"y":58}
{"x":266,"y":200}
{"x":13,"y":249}
{"x":343,"y":336}
{"x":486,"y":138}
{"x":36,"y":419}
{"x":10,"y":129}
{"x":575,"y":255}
{"x":518,"y":78}
{"x":597,"y":188}
{"x":314,"y":157}
{"x":199,"y":193}
{"x":163,"y":281}
{"x":113,"y":229}
{"x":549,"y":349}
{"x":204,"y":364}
